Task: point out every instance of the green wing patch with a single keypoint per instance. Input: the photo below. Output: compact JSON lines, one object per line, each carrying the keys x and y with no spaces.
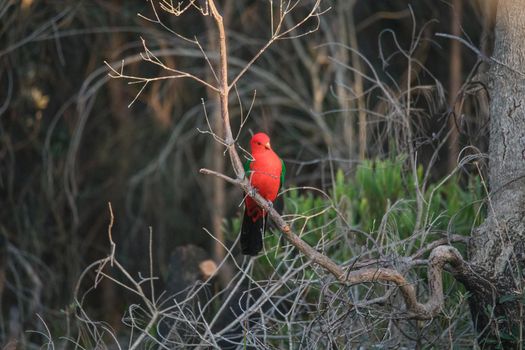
{"x":283,"y":174}
{"x":247,"y":167}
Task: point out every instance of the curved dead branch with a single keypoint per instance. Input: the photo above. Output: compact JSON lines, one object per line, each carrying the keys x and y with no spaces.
{"x":439,"y":257}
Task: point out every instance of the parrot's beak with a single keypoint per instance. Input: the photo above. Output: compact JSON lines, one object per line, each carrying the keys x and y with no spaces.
{"x":267,"y":145}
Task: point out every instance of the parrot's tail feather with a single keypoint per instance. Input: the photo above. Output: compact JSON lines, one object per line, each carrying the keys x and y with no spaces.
{"x":252,"y":234}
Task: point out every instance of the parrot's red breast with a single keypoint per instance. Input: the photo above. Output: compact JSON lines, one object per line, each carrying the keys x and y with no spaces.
{"x":265,"y":173}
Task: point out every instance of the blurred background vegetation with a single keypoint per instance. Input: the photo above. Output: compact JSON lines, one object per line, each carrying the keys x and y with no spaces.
{"x":69,"y":143}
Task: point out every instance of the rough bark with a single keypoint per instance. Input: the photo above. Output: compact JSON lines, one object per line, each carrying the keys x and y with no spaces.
{"x":497,"y":248}
{"x":454,"y":85}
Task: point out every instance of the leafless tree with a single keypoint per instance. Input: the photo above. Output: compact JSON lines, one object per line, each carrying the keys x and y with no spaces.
{"x":374,"y":281}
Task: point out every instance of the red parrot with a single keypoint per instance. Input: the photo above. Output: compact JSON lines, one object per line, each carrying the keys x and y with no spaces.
{"x":266,"y":172}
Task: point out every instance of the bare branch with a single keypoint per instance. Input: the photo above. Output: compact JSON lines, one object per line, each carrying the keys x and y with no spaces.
{"x":478,"y":52}
{"x":157,"y":20}
{"x":224,"y":91}
{"x":149,"y":56}
{"x":110,"y":235}
{"x":278,"y":35}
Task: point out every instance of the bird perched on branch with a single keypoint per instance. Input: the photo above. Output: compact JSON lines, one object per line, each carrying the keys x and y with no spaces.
{"x":266,"y":172}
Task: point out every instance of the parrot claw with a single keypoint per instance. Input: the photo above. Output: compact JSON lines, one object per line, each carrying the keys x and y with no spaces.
{"x":252,"y":192}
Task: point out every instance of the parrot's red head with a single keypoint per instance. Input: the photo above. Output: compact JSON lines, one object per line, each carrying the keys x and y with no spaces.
{"x":260,"y":142}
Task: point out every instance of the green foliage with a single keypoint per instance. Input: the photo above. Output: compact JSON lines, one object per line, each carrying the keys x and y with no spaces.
{"x":384,"y":188}
{"x":376,"y":205}
{"x":380,"y":199}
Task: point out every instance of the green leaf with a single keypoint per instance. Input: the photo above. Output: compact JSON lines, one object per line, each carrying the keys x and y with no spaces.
{"x":506,"y":336}
{"x":508,"y":297}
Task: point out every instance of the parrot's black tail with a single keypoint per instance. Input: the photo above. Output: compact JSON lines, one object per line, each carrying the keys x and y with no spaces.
{"x":252,"y":235}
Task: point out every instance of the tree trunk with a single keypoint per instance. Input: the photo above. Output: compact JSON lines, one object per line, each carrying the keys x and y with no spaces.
{"x":218,"y":158}
{"x":455,"y":80}
{"x":497,"y":251}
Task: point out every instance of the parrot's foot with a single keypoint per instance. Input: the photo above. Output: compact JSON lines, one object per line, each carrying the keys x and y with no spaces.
{"x":252,"y":192}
